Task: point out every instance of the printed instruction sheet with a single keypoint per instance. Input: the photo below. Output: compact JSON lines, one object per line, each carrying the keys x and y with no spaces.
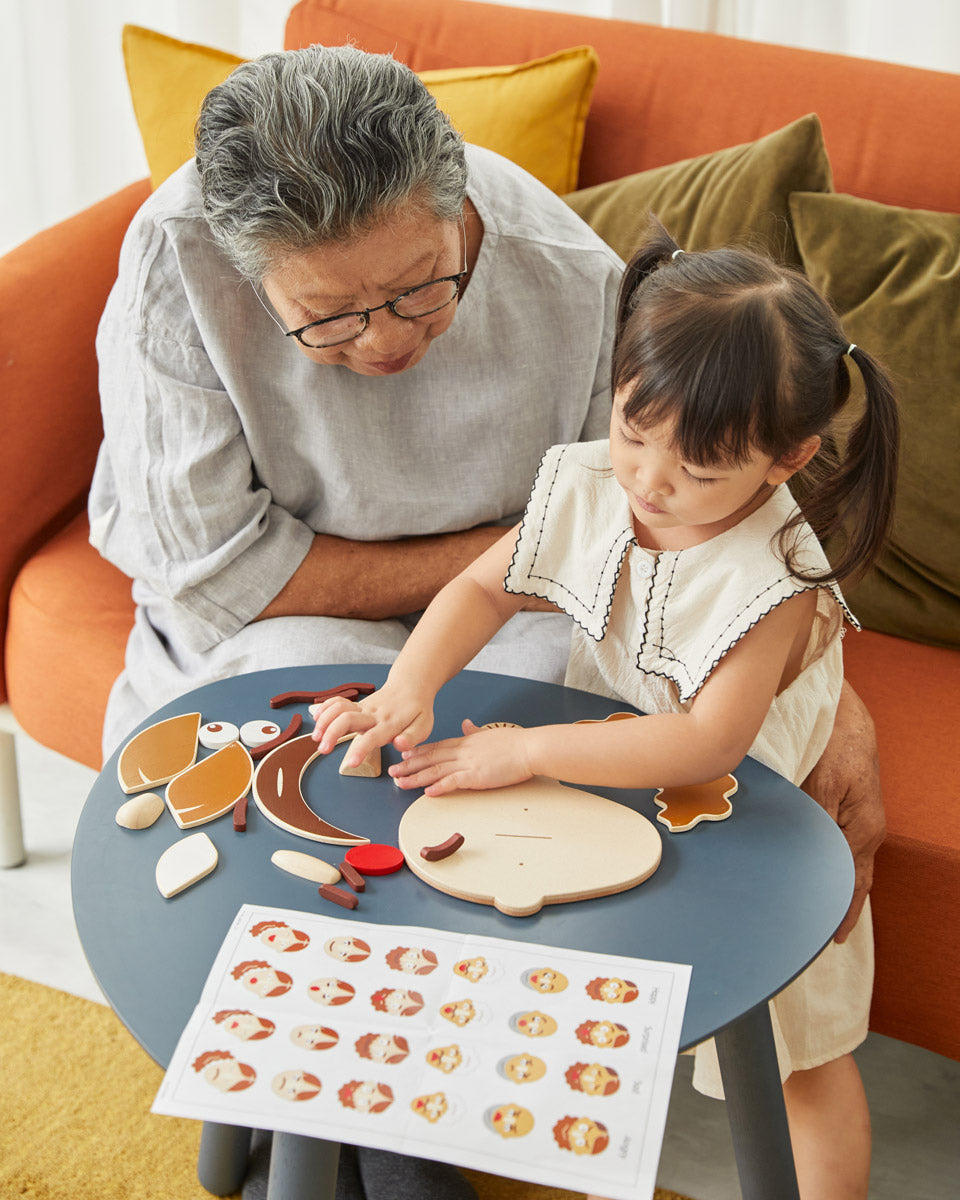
{"x":542,"y":1064}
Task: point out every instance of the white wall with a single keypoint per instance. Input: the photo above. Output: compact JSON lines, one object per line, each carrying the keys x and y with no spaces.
{"x":69,"y":137}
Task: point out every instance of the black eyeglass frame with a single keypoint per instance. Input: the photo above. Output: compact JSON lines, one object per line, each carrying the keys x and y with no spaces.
{"x":364,"y":313}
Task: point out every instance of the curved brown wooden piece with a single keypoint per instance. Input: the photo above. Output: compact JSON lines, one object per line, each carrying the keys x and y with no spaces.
{"x":279,"y":796}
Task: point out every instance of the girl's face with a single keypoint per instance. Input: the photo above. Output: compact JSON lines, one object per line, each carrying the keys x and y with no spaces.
{"x":676,"y":504}
{"x":398,"y":254}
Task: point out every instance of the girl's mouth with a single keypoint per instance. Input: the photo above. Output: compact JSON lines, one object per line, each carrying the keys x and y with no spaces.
{"x":646,"y":507}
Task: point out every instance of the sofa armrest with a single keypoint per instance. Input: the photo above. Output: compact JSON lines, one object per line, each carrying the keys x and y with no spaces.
{"x":52,"y":292}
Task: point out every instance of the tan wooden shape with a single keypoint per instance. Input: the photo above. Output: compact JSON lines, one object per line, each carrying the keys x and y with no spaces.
{"x":210,"y":787}
{"x":535,"y":843}
{"x":154,"y":755}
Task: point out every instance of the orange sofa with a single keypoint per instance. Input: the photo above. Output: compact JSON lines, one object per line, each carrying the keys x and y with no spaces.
{"x":661,"y":96}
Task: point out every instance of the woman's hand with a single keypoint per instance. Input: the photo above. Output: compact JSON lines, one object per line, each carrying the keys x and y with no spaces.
{"x":394,"y":714}
{"x":846,"y":783}
{"x":482,"y":758}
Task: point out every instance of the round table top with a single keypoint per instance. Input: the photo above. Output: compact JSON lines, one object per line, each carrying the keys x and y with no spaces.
{"x":748,"y":902}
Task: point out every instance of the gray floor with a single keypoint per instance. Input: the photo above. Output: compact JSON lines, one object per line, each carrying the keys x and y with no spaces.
{"x":914,"y":1095}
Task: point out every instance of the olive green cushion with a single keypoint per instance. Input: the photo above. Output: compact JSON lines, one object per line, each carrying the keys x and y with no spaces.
{"x":738,"y":195}
{"x":894,"y":276}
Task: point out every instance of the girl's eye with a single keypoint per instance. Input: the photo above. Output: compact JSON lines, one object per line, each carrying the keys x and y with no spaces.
{"x":702,"y":480}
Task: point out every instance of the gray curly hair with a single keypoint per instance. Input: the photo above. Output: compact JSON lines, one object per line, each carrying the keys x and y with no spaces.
{"x":302,"y":147}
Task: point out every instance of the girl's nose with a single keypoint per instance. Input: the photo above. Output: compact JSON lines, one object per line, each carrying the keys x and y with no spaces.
{"x":652,"y":478}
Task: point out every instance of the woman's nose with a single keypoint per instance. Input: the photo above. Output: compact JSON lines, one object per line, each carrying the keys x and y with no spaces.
{"x":387,"y":334}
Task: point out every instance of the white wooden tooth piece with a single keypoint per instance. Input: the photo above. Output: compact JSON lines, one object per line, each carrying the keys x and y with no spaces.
{"x":306,"y":866}
{"x":185,"y":863}
{"x":369,"y":767}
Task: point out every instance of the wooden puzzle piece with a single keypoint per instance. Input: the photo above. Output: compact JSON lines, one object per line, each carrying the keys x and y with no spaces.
{"x":217,"y":734}
{"x":351,"y":690}
{"x":376,"y":858}
{"x":210,"y":787}
{"x":264,"y":748}
{"x":258,"y":733}
{"x":185,"y":863}
{"x":684,"y":807}
{"x":305,"y":866}
{"x":140,"y":812}
{"x":369,"y":768}
{"x":534,"y":843}
{"x":154,"y":755}
{"x":277,"y":789}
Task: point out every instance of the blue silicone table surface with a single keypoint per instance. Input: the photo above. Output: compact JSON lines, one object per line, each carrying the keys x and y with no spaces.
{"x":748,"y":902}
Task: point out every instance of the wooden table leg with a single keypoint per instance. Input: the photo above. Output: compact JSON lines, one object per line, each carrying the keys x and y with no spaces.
{"x":302,"y":1168}
{"x":222,"y":1162}
{"x":755,"y":1108}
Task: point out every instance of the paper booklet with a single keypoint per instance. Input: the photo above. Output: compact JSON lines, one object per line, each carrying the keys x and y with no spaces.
{"x":547,"y":1065}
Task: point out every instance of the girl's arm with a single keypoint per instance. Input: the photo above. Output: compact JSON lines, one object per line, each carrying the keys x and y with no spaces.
{"x":662,"y":750}
{"x":459,"y":622}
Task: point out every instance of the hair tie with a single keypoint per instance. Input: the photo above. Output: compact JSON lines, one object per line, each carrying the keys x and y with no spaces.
{"x":674,"y":254}
{"x":850,"y":349}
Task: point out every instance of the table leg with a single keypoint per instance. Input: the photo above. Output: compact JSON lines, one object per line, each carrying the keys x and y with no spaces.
{"x":758,"y":1117}
{"x":222,"y":1162}
{"x":302,"y":1168}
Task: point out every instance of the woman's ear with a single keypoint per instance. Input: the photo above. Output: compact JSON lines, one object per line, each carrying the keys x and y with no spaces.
{"x":794,"y":460}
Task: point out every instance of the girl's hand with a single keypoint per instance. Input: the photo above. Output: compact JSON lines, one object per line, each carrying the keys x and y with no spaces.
{"x":393,"y":714}
{"x":482,"y":758}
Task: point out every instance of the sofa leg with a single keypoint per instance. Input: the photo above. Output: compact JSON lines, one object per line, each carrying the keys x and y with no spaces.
{"x":11,"y":830}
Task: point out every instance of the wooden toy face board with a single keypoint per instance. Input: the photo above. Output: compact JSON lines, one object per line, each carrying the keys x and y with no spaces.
{"x":538,"y":842}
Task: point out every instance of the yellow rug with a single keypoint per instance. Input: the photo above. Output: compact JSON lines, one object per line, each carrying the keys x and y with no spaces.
{"x":75,"y":1120}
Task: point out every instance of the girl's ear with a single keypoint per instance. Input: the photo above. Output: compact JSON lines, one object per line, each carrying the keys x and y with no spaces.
{"x":794,"y":460}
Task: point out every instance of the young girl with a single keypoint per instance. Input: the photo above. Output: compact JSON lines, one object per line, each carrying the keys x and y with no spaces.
{"x":699,"y":595}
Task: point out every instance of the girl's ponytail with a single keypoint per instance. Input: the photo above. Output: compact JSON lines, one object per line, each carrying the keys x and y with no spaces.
{"x":856,"y":501}
{"x":656,"y":250}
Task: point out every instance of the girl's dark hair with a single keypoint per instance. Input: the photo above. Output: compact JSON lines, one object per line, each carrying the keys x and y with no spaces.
{"x":745,"y":355}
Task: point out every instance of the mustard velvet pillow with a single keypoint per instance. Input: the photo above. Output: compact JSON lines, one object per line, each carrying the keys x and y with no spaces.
{"x":737,"y":195}
{"x":893,"y":274}
{"x":533,"y":113}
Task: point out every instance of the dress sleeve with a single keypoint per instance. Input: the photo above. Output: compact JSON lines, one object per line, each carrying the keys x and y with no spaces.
{"x":175,"y":502}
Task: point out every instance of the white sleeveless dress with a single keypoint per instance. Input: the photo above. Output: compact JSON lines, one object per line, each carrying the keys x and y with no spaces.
{"x":649,"y":629}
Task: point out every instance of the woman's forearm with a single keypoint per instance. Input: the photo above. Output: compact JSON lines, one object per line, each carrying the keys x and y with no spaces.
{"x":376,"y":580}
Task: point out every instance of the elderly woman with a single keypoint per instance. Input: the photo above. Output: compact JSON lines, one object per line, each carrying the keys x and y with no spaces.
{"x":338,"y":345}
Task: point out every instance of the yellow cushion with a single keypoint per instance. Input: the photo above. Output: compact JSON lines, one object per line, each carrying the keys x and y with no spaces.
{"x":533,"y":113}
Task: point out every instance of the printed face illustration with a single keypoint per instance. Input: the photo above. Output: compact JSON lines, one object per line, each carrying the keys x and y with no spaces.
{"x":533,"y":1024}
{"x":445,"y":1058}
{"x":398,"y":1002}
{"x":545,"y":980}
{"x":366,"y":1096}
{"x":262,"y":979}
{"x":244,"y":1025}
{"x":412,"y":960}
{"x":432,"y":1106}
{"x":314,"y":1037}
{"x":593,"y":1079}
{"x":603,"y":1034}
{"x":330,"y":991}
{"x":581,"y":1135}
{"x":347,"y":949}
{"x":222,"y":1071}
{"x":473,"y":969}
{"x":296,"y":1085}
{"x":277,"y":935}
{"x":460,"y":1012}
{"x":382,"y":1048}
{"x":612,"y":990}
{"x":522,"y":1068}
{"x":510,"y":1120}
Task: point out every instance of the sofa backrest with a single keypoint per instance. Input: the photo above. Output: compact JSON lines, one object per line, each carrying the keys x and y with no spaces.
{"x":892,"y":132}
